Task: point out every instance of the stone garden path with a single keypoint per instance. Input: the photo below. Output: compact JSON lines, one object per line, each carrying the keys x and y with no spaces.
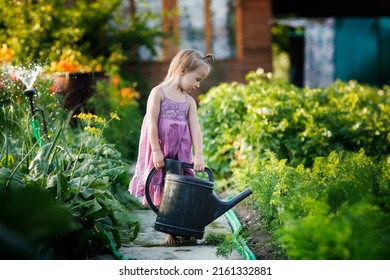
{"x":150,"y":245}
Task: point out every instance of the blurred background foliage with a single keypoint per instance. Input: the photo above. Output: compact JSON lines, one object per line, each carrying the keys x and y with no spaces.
{"x":95,"y":34}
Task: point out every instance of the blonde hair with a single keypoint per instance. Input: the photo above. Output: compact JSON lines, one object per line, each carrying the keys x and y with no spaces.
{"x":186,"y":59}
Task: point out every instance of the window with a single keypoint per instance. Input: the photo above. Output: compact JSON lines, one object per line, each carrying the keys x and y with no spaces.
{"x":206,"y":25}
{"x":223,"y":28}
{"x":192,"y":25}
{"x":155,"y":7}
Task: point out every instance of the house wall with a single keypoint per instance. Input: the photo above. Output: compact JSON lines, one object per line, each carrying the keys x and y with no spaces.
{"x":253,"y":47}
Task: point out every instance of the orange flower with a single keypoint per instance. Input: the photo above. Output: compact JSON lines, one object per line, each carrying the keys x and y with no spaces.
{"x":74,"y":61}
{"x":116,"y":80}
{"x":66,"y":66}
{"x":52,"y":89}
{"x":6,"y":54}
{"x":128,"y":96}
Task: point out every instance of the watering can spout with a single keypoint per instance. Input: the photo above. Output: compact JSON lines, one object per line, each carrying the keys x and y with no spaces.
{"x":220,"y":207}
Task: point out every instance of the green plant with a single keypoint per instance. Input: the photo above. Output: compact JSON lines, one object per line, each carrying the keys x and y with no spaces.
{"x":338,"y":209}
{"x":120,"y":95}
{"x":317,"y":161}
{"x":241,"y":121}
{"x":224,"y":243}
{"x":78,"y":170}
{"x":29,"y":217}
{"x":221,"y":114}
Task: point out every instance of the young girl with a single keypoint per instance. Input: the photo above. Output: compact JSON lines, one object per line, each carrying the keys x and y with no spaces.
{"x":171,"y":128}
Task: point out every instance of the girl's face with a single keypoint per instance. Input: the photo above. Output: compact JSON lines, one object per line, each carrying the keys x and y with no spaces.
{"x":191,"y":80}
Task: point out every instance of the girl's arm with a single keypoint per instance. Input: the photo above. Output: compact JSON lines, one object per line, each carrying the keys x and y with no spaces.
{"x":152,"y":112}
{"x":196,"y":135}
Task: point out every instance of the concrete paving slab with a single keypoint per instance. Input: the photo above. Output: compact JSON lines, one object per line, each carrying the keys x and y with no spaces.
{"x":150,"y":245}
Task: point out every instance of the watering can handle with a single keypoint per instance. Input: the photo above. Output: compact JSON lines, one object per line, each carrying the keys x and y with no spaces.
{"x":153,"y":171}
{"x":206,"y":169}
{"x":147,"y":193}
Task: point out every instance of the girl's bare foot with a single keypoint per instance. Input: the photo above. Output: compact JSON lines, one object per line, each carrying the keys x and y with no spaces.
{"x":171,"y":239}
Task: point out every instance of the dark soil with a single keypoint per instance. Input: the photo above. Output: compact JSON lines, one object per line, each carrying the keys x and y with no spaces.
{"x":258,"y":239}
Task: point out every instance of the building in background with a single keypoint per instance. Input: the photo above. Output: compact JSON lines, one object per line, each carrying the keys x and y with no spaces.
{"x":337,"y":43}
{"x":237,"y":32}
{"x":351,"y":43}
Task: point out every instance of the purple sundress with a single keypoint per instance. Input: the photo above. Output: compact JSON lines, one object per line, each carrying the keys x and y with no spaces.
{"x":175,"y":143}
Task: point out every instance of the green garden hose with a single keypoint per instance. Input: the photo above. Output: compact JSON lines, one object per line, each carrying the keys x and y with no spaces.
{"x":111,"y":243}
{"x":113,"y":248}
{"x":238,"y":241}
{"x":36,"y":133}
{"x":34,"y":123}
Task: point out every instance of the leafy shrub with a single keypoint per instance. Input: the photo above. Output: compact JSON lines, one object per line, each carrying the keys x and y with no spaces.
{"x":240,"y":122}
{"x":221,"y":114}
{"x":338,"y":209}
{"x":317,"y":161}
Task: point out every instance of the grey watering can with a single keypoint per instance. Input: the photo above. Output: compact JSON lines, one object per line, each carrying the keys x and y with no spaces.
{"x":188,"y":203}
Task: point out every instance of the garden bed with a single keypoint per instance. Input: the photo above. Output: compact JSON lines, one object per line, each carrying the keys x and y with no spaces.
{"x":257,"y":238}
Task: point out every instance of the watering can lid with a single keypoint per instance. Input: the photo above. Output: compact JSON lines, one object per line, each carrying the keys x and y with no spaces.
{"x":189,"y":180}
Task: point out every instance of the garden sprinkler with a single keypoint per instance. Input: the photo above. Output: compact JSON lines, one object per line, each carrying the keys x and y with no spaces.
{"x":30,"y":93}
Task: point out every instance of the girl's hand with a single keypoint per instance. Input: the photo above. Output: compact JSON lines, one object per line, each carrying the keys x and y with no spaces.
{"x":158,"y":159}
{"x":198,"y":162}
